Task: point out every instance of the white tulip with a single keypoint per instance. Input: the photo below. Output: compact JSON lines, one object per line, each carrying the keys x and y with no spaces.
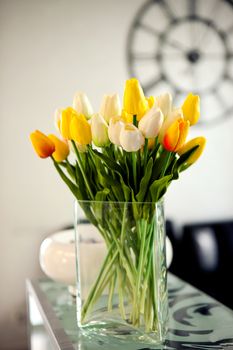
{"x":175,"y":114}
{"x":82,"y":105}
{"x":110,"y":107}
{"x":164,"y":102}
{"x":57,"y":118}
{"x":99,"y":131}
{"x":114,"y":129}
{"x":151,"y":123}
{"x":131,"y":138}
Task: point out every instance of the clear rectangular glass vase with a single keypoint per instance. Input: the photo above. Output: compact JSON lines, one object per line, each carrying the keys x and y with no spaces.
{"x":121,"y":270}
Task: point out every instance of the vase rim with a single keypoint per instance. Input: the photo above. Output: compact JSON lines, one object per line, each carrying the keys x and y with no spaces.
{"x":160,"y":201}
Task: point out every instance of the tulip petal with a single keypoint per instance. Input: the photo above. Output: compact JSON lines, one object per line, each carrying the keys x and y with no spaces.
{"x":134,"y":101}
{"x":183,"y":133}
{"x":43,"y":146}
{"x":61,"y":148}
{"x":80,"y":130}
{"x":191,"y":108}
{"x":171,"y":136}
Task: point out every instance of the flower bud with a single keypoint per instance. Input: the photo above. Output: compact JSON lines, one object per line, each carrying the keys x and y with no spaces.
{"x":99,"y":131}
{"x":164,"y":102}
{"x":131,"y":138}
{"x":82,"y":105}
{"x":175,"y":135}
{"x":175,"y":114}
{"x":134,"y":101}
{"x":61,"y":148}
{"x":114,"y":129}
{"x":191,"y":108}
{"x":110,"y":107}
{"x":151,"y":123}
{"x":66,"y":117}
{"x":198,"y":142}
{"x":43,"y":146}
{"x":80,"y":130}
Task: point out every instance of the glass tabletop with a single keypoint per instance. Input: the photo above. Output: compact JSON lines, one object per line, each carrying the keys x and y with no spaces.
{"x":196,"y":320}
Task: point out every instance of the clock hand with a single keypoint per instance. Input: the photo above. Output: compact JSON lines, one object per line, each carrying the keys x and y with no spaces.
{"x":171,"y":42}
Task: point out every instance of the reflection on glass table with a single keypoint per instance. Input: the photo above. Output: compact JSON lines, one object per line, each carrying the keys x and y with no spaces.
{"x":196,"y":320}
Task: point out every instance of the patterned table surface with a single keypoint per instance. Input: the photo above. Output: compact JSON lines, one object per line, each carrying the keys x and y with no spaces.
{"x":196,"y":320}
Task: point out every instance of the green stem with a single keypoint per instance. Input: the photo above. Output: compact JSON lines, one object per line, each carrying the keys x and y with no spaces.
{"x":121,"y":294}
{"x":136,"y":313}
{"x":145,"y":153}
{"x":82,"y":170}
{"x":106,"y":267}
{"x":167,"y":160}
{"x":111,"y":291}
{"x":135,"y":120}
{"x":69,"y":183}
{"x":134,"y":165}
{"x":126,"y":260}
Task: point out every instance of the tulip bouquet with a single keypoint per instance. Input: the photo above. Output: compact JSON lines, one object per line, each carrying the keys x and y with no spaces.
{"x":127,"y":154}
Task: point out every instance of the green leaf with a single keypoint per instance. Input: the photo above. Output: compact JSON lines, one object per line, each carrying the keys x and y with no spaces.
{"x":126,"y":189}
{"x":98,"y":205}
{"x":181,"y":163}
{"x":159,"y":187}
{"x":109,"y":162}
{"x":69,"y":183}
{"x":145,"y":181}
{"x":118,"y":192}
{"x":159,"y":164}
{"x":107,"y":177}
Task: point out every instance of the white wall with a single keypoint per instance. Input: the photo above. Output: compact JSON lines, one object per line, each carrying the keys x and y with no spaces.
{"x":50,"y":49}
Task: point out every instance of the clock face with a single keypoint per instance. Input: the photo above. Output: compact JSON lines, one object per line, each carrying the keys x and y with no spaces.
{"x":185,"y":46}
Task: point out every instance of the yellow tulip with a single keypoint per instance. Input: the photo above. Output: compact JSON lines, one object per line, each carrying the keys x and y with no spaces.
{"x":65,"y":120}
{"x":198,"y":142}
{"x":151,"y":101}
{"x":61,"y":148}
{"x":134,"y":101}
{"x":191,"y":108}
{"x":43,"y":146}
{"x":175,"y":135}
{"x":80,"y":130}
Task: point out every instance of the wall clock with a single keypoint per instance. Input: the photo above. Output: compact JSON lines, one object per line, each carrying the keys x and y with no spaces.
{"x":183,"y":46}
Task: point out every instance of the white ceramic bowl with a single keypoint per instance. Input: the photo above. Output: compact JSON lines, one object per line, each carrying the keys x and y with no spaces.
{"x":57,"y":257}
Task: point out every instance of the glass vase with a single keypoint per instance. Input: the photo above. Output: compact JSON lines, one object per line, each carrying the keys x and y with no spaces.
{"x":121,"y":270}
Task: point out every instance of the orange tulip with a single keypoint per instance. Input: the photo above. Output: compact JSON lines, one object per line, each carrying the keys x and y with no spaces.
{"x":43,"y":146}
{"x":61,"y":148}
{"x":175,"y":135}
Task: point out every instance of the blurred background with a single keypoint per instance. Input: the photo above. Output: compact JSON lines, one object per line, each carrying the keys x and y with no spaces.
{"x":52,"y":48}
